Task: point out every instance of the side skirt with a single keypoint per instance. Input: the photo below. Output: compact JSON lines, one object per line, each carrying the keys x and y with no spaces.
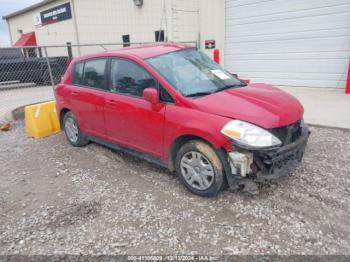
{"x":132,"y":152}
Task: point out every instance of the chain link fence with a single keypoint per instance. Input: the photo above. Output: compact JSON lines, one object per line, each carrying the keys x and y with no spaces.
{"x":28,"y":74}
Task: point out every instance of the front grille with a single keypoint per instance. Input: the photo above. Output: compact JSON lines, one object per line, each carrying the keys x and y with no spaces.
{"x":287,"y":134}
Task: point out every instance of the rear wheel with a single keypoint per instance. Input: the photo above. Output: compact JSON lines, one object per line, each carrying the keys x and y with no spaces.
{"x":199,"y":168}
{"x":71,"y":128}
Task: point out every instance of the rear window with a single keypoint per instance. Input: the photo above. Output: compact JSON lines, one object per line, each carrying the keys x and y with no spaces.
{"x":78,"y":74}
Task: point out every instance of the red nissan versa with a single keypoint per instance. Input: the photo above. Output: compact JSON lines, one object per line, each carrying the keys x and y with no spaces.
{"x":172,"y":105}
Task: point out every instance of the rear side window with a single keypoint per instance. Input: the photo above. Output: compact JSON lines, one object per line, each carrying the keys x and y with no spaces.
{"x":129,"y":78}
{"x":94,"y":73}
{"x":78,"y":74}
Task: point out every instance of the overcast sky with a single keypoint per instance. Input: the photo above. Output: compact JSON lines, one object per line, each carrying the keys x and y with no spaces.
{"x":7,"y":7}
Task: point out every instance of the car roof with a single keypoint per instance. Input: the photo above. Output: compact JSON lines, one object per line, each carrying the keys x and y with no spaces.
{"x":141,"y":51}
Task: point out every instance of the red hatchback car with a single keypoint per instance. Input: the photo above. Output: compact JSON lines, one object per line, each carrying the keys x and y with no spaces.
{"x":172,"y":105}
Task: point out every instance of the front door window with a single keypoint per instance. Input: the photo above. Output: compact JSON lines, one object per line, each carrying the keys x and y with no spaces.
{"x":128,"y":78}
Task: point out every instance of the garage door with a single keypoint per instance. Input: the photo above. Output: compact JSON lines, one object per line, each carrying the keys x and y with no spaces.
{"x":296,"y":43}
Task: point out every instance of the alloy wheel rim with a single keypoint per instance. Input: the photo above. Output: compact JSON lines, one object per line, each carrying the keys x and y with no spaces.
{"x":71,"y":129}
{"x":197,"y":170}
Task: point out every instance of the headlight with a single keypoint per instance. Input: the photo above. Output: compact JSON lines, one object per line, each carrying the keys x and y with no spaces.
{"x":247,"y":134}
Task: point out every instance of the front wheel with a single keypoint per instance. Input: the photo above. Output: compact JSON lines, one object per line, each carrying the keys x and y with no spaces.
{"x":199,"y":168}
{"x":71,"y":128}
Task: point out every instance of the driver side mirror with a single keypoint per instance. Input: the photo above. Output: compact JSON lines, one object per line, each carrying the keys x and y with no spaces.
{"x":151,"y":95}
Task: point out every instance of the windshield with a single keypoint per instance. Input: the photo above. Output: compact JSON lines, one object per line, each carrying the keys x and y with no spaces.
{"x":193,"y":73}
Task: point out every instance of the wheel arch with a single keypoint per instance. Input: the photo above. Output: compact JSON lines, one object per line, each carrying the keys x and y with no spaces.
{"x":179,"y":142}
{"x":62,"y":113}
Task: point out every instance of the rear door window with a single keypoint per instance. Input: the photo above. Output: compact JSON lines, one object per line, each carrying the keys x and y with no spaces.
{"x":94,"y":73}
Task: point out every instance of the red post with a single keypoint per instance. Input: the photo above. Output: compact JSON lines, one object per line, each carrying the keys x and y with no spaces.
{"x":347,"y":87}
{"x":217,"y":56}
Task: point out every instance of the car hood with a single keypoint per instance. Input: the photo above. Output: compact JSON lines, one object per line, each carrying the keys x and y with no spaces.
{"x":260,"y":104}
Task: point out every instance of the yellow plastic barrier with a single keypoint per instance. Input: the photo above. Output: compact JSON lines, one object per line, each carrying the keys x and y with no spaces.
{"x":41,"y":120}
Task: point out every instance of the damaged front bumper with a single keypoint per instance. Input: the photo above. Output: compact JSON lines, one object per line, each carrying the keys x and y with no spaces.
{"x":264,"y":165}
{"x":280,"y":162}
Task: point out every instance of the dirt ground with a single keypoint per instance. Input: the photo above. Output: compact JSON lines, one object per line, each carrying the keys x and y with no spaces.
{"x":57,"y":199}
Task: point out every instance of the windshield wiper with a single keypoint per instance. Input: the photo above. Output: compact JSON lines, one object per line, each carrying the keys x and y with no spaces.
{"x":204,"y":93}
{"x":230,"y":86}
{"x":199,"y":94}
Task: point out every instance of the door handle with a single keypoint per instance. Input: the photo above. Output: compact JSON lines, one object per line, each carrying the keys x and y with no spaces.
{"x":112,"y":102}
{"x":75,"y":93}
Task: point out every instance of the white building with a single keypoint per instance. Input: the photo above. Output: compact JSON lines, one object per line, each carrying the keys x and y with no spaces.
{"x":300,"y":43}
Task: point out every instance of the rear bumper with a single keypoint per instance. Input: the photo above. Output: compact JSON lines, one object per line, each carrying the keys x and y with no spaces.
{"x":273,"y":164}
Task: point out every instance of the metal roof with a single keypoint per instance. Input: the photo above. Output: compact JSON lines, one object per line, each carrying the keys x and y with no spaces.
{"x":27,"y":9}
{"x":143,"y":51}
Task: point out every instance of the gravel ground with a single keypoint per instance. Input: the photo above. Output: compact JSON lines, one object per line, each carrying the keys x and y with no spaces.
{"x":57,"y":199}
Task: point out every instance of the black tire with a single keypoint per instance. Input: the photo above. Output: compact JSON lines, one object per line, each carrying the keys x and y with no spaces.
{"x":216,"y":182}
{"x":81,"y":140}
